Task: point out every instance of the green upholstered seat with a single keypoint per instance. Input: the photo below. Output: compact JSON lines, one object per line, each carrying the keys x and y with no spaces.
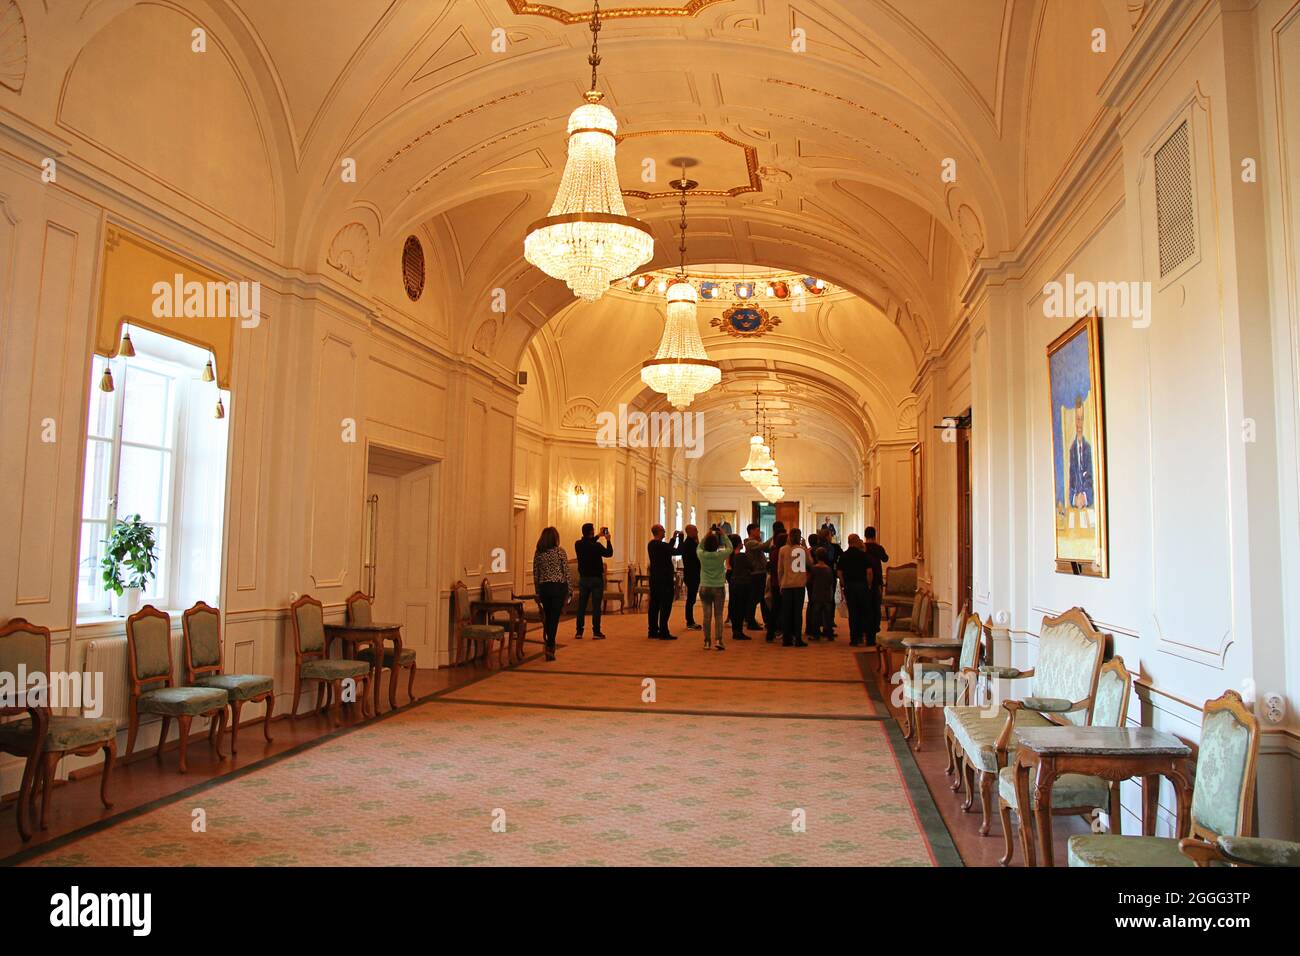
{"x":65,"y":733}
{"x":1258,"y":851}
{"x":182,"y":701}
{"x":482,"y":632}
{"x":1102,"y":849}
{"x":408,"y":655}
{"x":333,"y":669}
{"x":977,"y":734}
{"x":1069,"y":790}
{"x":237,"y":686}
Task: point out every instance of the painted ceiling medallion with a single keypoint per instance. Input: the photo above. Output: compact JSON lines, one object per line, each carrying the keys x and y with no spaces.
{"x":588,"y":240}
{"x":751,"y":184}
{"x":685,"y":8}
{"x":746,"y":322}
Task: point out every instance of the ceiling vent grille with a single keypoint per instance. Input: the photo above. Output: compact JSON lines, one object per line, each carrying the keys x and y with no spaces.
{"x":1175,"y":201}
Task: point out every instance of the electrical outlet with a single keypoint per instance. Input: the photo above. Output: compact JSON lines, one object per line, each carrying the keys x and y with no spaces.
{"x":1274,"y":708}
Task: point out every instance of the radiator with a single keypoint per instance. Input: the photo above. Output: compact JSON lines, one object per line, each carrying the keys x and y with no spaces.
{"x":107,"y":657}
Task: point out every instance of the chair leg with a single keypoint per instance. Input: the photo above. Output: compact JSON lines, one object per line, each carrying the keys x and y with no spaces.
{"x":47,"y":784}
{"x":916,"y":711}
{"x":321,"y":699}
{"x":110,"y":754}
{"x":334,"y":701}
{"x":162,"y":737}
{"x":952,"y":756}
{"x":133,"y":725}
{"x":410,"y":685}
{"x":270,"y":710}
{"x":1115,"y":814}
{"x":986,"y":801}
{"x":1027,"y":837}
{"x":1008,"y":848}
{"x":968,"y":772}
{"x":235,"y":707}
{"x":221,"y":732}
{"x":184,"y":722}
{"x":297,"y":689}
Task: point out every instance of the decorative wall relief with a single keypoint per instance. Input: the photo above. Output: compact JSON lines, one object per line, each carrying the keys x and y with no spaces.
{"x":972,"y":232}
{"x":349,"y":251}
{"x":486,"y":337}
{"x":579,"y":415}
{"x":13,"y":47}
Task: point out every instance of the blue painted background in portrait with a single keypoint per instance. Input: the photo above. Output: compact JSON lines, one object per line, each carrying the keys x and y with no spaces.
{"x":1071,"y":382}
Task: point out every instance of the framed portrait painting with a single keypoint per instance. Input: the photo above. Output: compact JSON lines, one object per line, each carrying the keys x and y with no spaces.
{"x":1078,"y":410}
{"x":726,"y":520}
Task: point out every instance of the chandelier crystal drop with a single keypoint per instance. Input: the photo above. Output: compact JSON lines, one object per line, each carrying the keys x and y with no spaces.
{"x":681,"y":369}
{"x":588,"y":240}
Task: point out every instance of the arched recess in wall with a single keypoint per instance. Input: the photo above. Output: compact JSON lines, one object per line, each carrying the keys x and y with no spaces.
{"x":193,"y":130}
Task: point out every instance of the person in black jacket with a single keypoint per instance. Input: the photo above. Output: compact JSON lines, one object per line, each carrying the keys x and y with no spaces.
{"x":591,"y":576}
{"x":690,"y":546}
{"x":660,"y":554}
{"x":877,"y":557}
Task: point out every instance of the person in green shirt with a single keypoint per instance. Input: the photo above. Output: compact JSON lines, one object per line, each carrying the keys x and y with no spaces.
{"x":713,"y":587}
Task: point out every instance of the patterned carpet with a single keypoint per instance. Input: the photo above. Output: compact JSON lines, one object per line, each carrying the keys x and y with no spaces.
{"x":511,"y":771}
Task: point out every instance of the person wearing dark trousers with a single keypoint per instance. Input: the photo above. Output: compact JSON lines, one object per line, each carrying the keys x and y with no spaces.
{"x":823,"y":596}
{"x":855,"y":582}
{"x":738,"y":566}
{"x":792,"y":572}
{"x":591,"y":576}
{"x":757,"y":579}
{"x":812,"y":544}
{"x":690,"y":547}
{"x":774,"y":587}
{"x":660,"y":554}
{"x":877,"y":558}
{"x":551,"y":584}
{"x":827,"y":534}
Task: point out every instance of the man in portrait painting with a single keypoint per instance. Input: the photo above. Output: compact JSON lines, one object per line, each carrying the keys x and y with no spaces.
{"x":1081,"y":486}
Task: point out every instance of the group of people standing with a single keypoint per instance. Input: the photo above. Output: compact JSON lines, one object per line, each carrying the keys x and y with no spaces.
{"x":772,"y":577}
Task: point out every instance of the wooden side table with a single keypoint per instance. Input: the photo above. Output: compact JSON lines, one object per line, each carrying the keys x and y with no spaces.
{"x":479,"y":611}
{"x":353,"y":635}
{"x":1112,"y":753}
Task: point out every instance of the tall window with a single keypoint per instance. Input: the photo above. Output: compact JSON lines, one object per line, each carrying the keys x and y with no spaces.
{"x":155,"y":448}
{"x":663,"y":512}
{"x":677,"y":517}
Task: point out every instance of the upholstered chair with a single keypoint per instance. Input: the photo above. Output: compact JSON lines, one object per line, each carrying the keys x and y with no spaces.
{"x":1221,"y":796}
{"x":27,"y":646}
{"x":614,"y":593}
{"x":890,"y":642}
{"x":929,"y":676}
{"x":312,"y":660}
{"x":1241,"y":851}
{"x":898,"y":594}
{"x":153,"y":691}
{"x":204,"y":667}
{"x":467,"y":632}
{"x":1064,"y":680}
{"x":1075,"y":794}
{"x":360,"y":612}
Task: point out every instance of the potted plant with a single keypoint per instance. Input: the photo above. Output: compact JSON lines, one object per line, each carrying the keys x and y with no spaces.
{"x":128,"y":563}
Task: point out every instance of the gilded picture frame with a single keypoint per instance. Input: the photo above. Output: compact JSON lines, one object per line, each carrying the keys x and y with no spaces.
{"x":1077,"y":410}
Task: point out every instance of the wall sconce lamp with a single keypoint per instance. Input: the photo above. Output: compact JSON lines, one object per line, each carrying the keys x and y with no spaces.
{"x":580,"y":497}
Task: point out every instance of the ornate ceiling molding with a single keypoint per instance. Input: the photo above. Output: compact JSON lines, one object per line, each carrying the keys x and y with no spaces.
{"x":688,"y":8}
{"x":753,"y":185}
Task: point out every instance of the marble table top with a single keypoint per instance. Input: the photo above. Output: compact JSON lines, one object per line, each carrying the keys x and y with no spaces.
{"x":1103,"y":741}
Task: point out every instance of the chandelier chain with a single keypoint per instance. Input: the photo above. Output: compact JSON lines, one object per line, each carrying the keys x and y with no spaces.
{"x":594,"y":59}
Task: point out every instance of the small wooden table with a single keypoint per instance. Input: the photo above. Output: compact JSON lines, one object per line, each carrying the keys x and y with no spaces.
{"x":479,"y":611}
{"x":1112,"y":753}
{"x":921,"y":643}
{"x":375,"y":634}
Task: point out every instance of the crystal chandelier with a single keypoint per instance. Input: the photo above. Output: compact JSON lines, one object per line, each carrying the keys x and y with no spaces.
{"x":681,"y":369}
{"x":588,"y":239}
{"x":757,"y":450}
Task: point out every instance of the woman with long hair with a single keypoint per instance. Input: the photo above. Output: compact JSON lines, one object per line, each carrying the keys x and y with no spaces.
{"x":774,"y":586}
{"x":551,"y":581}
{"x":713,"y":587}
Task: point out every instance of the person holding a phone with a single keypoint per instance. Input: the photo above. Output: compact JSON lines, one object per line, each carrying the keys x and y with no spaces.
{"x":591,"y":576}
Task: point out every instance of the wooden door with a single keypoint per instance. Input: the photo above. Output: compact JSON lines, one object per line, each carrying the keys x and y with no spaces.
{"x":787,"y":512}
{"x":965,"y":549}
